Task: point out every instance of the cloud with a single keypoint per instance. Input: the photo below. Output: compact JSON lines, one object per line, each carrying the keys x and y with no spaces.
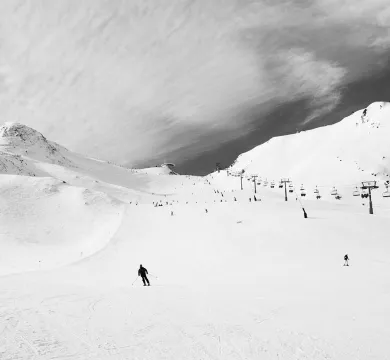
{"x":134,"y":80}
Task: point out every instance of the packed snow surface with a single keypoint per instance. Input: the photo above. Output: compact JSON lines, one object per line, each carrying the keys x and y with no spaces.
{"x":231,"y":277}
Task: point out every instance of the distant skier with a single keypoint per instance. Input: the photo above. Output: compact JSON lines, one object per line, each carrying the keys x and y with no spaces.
{"x":346,"y":258}
{"x":254,"y":197}
{"x":304,"y":213}
{"x":142,"y":272}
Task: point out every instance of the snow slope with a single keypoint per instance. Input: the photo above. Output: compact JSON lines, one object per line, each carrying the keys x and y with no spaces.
{"x":24,"y":151}
{"x":231,"y":278}
{"x":353,"y":150}
{"x":45,"y":223}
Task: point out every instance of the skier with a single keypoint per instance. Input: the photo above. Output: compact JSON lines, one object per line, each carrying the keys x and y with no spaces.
{"x":304,"y":213}
{"x":142,"y":272}
{"x":346,"y":258}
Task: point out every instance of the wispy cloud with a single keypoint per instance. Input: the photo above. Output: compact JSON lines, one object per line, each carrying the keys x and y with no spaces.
{"x":134,"y":80}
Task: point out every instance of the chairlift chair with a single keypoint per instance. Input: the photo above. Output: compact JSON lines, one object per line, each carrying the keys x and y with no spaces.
{"x":281,"y":185}
{"x":387,"y":192}
{"x":334,"y":191}
{"x":316,"y":191}
{"x":356,"y":192}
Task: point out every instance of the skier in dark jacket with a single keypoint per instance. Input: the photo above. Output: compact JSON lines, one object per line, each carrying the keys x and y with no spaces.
{"x":142,"y":272}
{"x":346,"y":258}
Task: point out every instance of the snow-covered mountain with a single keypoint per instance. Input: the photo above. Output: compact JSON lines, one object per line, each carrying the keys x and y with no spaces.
{"x":25,"y":151}
{"x":352,"y":150}
{"x":57,"y":206}
{"x":234,"y":274}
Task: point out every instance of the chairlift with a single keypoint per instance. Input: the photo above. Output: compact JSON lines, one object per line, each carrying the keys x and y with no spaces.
{"x":281,"y":185}
{"x":334,"y":191}
{"x":316,"y":191}
{"x":272,"y":184}
{"x":356,"y":192}
{"x":387,"y":192}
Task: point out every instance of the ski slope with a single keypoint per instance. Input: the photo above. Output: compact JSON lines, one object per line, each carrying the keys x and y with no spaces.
{"x":244,"y":280}
{"x":355,"y":149}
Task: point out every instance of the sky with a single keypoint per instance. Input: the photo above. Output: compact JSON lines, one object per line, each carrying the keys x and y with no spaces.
{"x":140,"y":82}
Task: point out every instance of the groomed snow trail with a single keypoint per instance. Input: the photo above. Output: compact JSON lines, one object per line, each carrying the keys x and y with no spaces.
{"x":247,"y":280}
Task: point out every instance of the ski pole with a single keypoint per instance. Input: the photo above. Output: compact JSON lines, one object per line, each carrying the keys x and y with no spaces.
{"x":153,"y":276}
{"x":134,"y":281}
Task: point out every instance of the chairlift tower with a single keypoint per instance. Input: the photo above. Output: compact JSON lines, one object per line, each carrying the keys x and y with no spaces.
{"x":254,"y":177}
{"x":285,"y":181}
{"x":241,"y":175}
{"x":369,"y":185}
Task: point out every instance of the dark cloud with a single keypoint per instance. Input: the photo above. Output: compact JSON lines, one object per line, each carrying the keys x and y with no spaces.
{"x":141,"y":80}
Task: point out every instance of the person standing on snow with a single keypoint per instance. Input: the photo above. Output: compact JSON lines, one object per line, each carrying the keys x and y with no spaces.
{"x":346,"y":258}
{"x":142,"y":272}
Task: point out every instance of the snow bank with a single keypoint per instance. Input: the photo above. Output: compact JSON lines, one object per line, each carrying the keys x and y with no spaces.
{"x":45,"y":223}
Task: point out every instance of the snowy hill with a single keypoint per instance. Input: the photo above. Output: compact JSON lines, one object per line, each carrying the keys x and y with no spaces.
{"x":353,"y":150}
{"x":234,"y":274}
{"x":57,"y":206}
{"x":45,"y":223}
{"x":25,"y":151}
{"x":21,"y":140}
